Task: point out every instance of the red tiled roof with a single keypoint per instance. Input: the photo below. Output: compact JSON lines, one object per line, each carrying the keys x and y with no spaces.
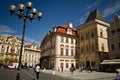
{"x":63,"y":29}
{"x":27,"y":46}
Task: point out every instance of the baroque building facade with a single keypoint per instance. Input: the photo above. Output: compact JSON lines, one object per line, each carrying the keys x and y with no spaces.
{"x":58,"y":48}
{"x":92,"y":40}
{"x":114,"y":38}
{"x":31,"y":55}
{"x":9,"y":49}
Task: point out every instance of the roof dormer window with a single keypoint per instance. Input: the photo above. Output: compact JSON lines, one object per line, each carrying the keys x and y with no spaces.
{"x":69,"y":31}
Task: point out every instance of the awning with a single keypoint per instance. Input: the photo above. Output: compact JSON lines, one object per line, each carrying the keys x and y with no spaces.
{"x":110,"y":63}
{"x":113,"y":61}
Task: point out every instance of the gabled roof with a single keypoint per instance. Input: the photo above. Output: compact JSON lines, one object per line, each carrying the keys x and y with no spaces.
{"x":95,"y":14}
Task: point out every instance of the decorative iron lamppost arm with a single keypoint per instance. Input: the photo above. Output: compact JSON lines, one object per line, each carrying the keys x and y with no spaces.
{"x":26,"y":16}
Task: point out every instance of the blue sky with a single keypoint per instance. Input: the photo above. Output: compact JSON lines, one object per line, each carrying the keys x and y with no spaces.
{"x":55,"y":13}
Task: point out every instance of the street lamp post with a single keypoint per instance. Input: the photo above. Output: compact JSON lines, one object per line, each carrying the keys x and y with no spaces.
{"x":30,"y":14}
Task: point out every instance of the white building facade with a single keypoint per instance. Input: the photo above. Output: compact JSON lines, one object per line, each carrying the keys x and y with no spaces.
{"x":31,"y":55}
{"x":58,"y":48}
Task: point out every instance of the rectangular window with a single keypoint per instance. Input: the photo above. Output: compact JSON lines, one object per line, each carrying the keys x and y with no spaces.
{"x":92,"y":34}
{"x":118,"y":30}
{"x":67,"y":65}
{"x":113,"y":32}
{"x":71,"y":41}
{"x":81,"y":38}
{"x":67,"y":52}
{"x":61,"y":51}
{"x":112,"y":47}
{"x":62,"y":39}
{"x":72,"y":52}
{"x":119,"y":46}
{"x":66,"y":40}
{"x":76,"y":53}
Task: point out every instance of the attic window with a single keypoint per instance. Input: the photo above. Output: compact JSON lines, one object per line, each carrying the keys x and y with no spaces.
{"x":69,"y":31}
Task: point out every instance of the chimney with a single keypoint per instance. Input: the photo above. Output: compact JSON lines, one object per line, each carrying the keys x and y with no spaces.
{"x":70,"y":25}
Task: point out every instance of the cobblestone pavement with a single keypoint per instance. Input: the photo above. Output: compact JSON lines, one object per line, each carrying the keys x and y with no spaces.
{"x":83,"y":75}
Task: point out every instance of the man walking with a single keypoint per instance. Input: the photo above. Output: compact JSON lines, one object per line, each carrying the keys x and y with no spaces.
{"x":37,"y":71}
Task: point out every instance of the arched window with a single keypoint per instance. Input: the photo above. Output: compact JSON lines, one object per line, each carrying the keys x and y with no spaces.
{"x":61,"y":51}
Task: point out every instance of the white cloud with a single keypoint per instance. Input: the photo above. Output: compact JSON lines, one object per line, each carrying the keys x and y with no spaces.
{"x":6,"y":29}
{"x":93,"y":4}
{"x":28,"y":40}
{"x":82,"y":19}
{"x":112,"y":8}
{"x":6,"y":35}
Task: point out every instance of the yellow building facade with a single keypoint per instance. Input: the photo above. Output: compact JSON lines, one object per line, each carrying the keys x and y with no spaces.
{"x":92,"y":41}
{"x":9,"y":50}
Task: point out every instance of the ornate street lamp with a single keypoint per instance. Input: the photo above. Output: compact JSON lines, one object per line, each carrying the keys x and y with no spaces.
{"x":30,"y":14}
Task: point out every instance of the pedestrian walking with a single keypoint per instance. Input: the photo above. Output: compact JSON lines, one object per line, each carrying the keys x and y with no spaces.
{"x":53,"y":71}
{"x":118,"y":75}
{"x":71,"y":70}
{"x":61,"y":68}
{"x":15,"y":68}
{"x":37,"y":71}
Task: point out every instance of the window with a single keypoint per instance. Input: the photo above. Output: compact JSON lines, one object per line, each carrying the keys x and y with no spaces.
{"x":71,"y":41}
{"x":112,"y":47}
{"x":62,"y":39}
{"x":2,"y":49}
{"x":67,"y":65}
{"x":66,"y":40}
{"x":72,"y":52}
{"x":76,"y":53}
{"x":61,"y":51}
{"x":119,"y":46}
{"x":81,"y":38}
{"x":67,"y":52}
{"x":118,"y":30}
{"x":101,"y":33}
{"x":92,"y":34}
{"x":113,"y":32}
{"x":86,"y":48}
{"x":102,"y":47}
{"x":86,"y":35}
{"x":69,"y":31}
